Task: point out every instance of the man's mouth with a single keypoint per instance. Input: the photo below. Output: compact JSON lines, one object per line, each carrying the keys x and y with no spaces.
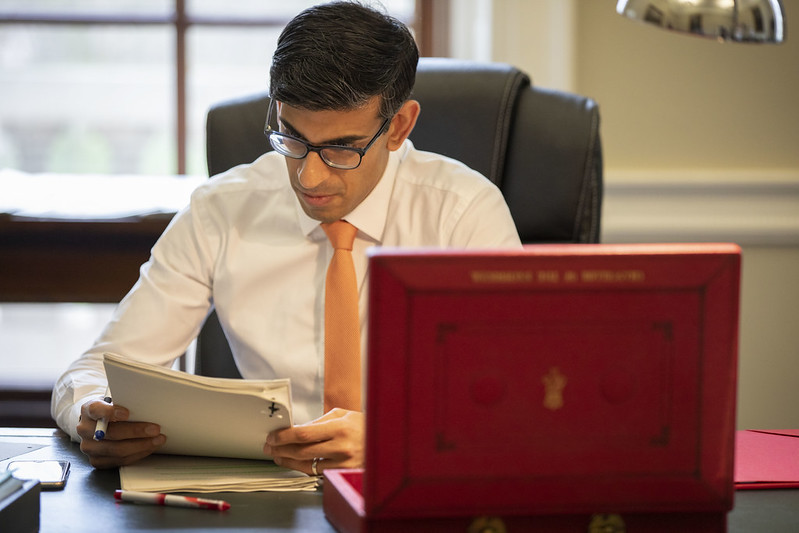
{"x":317,"y":200}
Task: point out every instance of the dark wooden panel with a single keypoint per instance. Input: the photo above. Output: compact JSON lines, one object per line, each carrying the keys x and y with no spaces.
{"x":71,"y":260}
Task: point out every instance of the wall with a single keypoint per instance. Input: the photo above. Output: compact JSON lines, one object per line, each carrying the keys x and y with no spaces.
{"x":674,"y":101}
{"x":700,"y":144}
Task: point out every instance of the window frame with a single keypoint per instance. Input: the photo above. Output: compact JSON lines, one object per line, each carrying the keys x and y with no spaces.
{"x":181,"y":21}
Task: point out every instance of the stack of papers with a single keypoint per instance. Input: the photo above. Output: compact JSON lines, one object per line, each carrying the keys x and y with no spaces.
{"x":8,"y":485}
{"x":215,"y":429}
{"x":163,"y":473}
{"x":201,"y":416}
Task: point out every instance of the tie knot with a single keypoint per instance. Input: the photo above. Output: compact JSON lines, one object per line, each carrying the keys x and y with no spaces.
{"x":341,"y":234}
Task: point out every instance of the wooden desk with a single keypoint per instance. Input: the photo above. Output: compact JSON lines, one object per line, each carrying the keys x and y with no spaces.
{"x":87,"y":503}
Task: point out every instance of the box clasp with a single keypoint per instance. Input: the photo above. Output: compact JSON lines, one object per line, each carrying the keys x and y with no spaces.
{"x":607,"y":523}
{"x":487,"y":524}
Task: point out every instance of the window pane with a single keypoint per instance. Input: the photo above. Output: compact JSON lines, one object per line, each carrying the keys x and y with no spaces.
{"x":248,"y":8}
{"x":32,"y":359}
{"x":87,"y":98}
{"x":223,"y":63}
{"x":101,"y":98}
{"x":82,"y":7}
{"x":402,"y":9}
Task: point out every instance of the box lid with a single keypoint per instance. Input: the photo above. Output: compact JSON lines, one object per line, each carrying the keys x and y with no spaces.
{"x":554,"y":379}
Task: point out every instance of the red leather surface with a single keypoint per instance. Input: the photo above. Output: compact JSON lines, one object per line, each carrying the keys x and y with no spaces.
{"x":557,"y":379}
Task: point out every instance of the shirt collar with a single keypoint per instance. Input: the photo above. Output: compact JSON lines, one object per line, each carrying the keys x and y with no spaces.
{"x":370,"y":215}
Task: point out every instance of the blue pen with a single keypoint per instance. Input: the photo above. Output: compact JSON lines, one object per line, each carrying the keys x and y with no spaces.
{"x":102,"y":424}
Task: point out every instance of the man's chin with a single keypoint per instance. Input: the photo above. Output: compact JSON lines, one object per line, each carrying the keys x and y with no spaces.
{"x":323,"y":215}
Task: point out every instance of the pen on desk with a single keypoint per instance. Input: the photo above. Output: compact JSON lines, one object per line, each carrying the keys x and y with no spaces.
{"x":102,"y":424}
{"x":157,"y":498}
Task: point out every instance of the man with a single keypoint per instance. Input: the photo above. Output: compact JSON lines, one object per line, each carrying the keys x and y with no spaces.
{"x":250,"y":243}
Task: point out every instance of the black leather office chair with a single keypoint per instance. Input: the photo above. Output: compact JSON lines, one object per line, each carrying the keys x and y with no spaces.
{"x":541,"y":147}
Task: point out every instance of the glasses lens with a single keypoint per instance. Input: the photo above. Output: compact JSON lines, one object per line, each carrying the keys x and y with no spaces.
{"x":341,"y":157}
{"x":288,"y":146}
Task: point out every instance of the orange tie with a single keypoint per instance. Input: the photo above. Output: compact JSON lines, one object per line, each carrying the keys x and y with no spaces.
{"x":342,"y":326}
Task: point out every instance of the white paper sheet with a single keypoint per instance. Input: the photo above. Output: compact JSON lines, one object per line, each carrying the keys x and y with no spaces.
{"x":174,"y":473}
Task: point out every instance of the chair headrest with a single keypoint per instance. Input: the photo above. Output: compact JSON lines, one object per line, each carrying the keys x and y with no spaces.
{"x":467,"y":111}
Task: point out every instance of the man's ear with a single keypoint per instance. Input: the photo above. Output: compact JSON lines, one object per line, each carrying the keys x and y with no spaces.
{"x":402,"y":124}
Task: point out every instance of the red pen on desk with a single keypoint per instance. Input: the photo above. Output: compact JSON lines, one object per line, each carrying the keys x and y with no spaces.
{"x":157,"y":498}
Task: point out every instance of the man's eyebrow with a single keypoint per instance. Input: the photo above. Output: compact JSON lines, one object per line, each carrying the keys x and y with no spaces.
{"x":339,"y":141}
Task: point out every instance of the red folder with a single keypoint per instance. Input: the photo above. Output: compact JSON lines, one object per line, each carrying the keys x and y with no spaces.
{"x":767,"y":459}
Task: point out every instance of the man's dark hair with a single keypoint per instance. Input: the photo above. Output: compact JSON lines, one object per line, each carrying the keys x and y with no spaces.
{"x":338,"y":56}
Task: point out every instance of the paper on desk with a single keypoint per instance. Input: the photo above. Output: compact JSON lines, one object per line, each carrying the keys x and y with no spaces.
{"x":13,"y":449}
{"x":173,"y":473}
{"x":766,"y":459}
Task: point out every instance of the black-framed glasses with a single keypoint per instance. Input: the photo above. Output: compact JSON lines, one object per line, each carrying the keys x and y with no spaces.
{"x":335,"y":156}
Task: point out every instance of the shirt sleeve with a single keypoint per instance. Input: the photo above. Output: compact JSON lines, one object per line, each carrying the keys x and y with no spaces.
{"x":155,"y":322}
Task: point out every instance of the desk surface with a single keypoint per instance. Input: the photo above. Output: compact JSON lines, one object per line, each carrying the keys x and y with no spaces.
{"x":87,"y":502}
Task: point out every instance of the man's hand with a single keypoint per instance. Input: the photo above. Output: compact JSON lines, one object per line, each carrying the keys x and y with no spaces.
{"x":335,"y":440}
{"x":124,"y":442}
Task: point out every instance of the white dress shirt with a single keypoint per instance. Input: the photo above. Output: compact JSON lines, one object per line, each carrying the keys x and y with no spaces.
{"x":245,"y":246}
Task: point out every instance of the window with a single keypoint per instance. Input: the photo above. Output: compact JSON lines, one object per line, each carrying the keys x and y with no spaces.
{"x":122,"y":86}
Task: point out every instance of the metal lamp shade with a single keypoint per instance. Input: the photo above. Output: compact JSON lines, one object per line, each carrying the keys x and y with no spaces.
{"x":750,"y":21}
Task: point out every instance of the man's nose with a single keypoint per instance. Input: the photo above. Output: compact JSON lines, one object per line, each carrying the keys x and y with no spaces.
{"x":312,"y":171}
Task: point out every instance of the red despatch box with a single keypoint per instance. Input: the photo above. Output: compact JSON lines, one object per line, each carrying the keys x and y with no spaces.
{"x":557,"y":388}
